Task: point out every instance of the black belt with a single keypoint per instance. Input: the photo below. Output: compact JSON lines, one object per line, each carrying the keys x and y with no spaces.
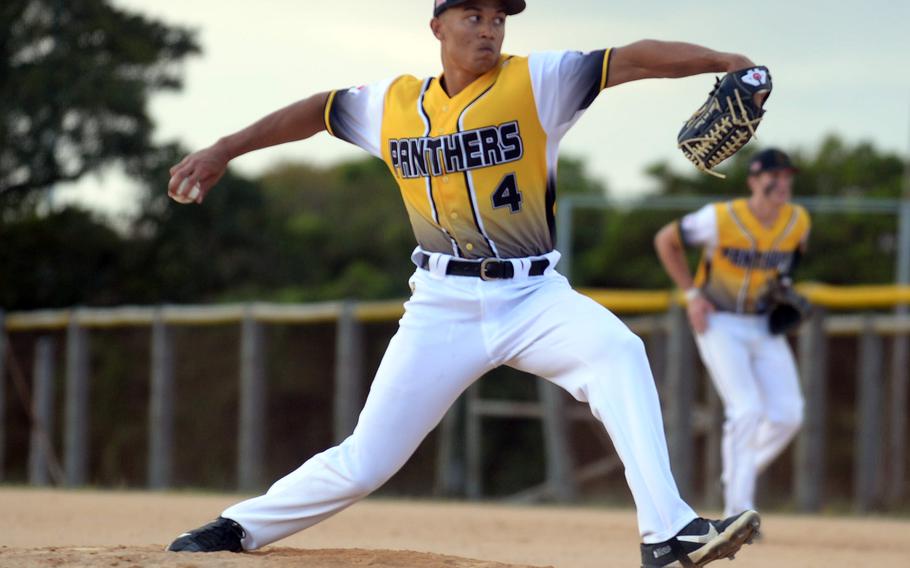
{"x":486,"y":269}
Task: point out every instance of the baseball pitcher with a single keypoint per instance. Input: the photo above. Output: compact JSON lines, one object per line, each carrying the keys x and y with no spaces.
{"x":751,"y":248}
{"x":474,"y":152}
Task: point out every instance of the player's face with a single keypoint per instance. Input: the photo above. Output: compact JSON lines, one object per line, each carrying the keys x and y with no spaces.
{"x":774,"y":186}
{"x":472,"y":34}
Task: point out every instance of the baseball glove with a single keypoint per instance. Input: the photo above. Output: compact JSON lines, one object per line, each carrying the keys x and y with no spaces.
{"x":787,"y":308}
{"x":727,"y":120}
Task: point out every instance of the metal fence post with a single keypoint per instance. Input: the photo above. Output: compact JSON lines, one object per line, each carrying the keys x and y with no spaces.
{"x":40,"y":446}
{"x":161,"y":406}
{"x":680,"y":394}
{"x":560,"y":465}
{"x":251,"y":446}
{"x":897,"y":421}
{"x":77,"y":403}
{"x":713,"y":458}
{"x":868,"y":446}
{"x":656,"y":347}
{"x":348,"y":372}
{"x":900,"y":367}
{"x":2,"y":395}
{"x":450,"y":474}
{"x":473,"y":444}
{"x":809,"y":478}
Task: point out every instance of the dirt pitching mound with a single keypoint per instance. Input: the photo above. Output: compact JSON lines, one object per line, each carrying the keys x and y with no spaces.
{"x":119,"y":529}
{"x":148,"y":556}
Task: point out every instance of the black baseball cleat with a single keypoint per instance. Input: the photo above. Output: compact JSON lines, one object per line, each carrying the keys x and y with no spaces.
{"x":703,"y":541}
{"x":221,"y":535}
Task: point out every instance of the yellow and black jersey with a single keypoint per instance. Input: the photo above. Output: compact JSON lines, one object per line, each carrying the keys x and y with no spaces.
{"x":477,"y":171}
{"x":741,"y":255}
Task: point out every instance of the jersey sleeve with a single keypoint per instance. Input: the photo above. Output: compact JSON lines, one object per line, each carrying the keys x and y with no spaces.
{"x":355,"y":115}
{"x":699,"y":228}
{"x":565,"y":83}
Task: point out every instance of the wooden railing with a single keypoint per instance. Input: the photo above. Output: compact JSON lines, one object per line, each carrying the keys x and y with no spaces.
{"x":657,"y":316}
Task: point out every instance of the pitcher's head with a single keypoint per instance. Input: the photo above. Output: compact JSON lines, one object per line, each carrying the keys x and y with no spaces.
{"x":472,"y":31}
{"x":771,"y":176}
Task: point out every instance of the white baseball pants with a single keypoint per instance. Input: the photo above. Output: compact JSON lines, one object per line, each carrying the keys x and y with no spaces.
{"x":757,"y":380}
{"x":454,"y":330}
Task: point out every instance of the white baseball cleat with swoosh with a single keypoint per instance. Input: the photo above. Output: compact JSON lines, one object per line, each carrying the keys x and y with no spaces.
{"x":703,"y":541}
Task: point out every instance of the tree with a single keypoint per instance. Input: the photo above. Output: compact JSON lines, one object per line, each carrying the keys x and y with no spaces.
{"x":75,"y":80}
{"x":61,"y":259}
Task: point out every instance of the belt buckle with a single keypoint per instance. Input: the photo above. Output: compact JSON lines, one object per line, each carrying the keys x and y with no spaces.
{"x":483,"y":269}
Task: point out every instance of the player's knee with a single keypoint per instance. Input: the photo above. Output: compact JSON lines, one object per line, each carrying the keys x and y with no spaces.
{"x":791,"y":428}
{"x":627,"y":344}
{"x":792,"y":417}
{"x":607,"y":347}
{"x":620,"y":356}
{"x":787,"y":413}
{"x":744,"y":419}
{"x":783,"y":430}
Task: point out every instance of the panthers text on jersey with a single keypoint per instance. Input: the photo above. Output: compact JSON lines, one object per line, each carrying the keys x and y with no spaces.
{"x":477,"y":171}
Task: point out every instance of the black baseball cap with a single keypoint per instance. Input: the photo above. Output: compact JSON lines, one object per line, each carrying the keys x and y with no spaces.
{"x":770,"y":160}
{"x":512,"y":6}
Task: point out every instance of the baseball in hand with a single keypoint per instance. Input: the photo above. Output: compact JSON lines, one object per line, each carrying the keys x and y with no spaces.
{"x":184,"y":195}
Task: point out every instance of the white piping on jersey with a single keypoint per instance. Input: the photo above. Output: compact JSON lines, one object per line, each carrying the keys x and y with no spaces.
{"x":429,"y":182}
{"x":790,"y":224}
{"x":744,"y":291}
{"x":469,"y":179}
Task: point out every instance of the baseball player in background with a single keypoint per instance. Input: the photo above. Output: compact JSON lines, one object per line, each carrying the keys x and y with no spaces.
{"x":474,"y":152}
{"x":748,"y":244}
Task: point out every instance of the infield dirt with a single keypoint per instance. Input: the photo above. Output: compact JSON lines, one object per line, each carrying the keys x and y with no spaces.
{"x":125,"y":529}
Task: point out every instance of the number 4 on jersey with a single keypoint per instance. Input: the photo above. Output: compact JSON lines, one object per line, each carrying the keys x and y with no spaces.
{"x":507,"y":194}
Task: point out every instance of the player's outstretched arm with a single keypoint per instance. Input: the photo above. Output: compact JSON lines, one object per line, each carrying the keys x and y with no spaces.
{"x":672,"y":255}
{"x":653,"y":59}
{"x":205,"y":167}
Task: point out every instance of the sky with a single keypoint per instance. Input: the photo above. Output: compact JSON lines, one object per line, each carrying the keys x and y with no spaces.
{"x":838,"y":67}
